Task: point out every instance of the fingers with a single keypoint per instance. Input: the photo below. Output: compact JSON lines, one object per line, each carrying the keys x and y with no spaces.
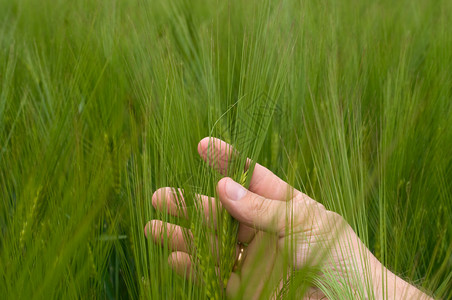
{"x":263,"y":182}
{"x":261,"y":271}
{"x":259,"y":265}
{"x":245,"y":233}
{"x":252,"y":209}
{"x":181,"y":263}
{"x":173,"y":201}
{"x":233,"y":288}
{"x":170,"y":198}
{"x":178,"y":238}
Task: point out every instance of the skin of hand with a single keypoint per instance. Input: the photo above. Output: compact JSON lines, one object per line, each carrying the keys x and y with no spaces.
{"x":319,"y":238}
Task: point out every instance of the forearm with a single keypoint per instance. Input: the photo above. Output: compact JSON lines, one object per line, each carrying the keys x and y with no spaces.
{"x":384,"y":283}
{"x":387,"y":285}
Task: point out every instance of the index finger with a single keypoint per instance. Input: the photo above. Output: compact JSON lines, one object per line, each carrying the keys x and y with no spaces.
{"x":218,"y":153}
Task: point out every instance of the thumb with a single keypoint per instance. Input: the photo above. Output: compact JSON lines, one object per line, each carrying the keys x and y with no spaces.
{"x":252,"y":209}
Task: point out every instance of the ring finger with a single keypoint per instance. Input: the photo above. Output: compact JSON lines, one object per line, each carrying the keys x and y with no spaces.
{"x":178,"y":238}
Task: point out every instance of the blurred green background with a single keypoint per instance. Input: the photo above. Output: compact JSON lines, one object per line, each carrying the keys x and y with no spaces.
{"x":102,"y":102}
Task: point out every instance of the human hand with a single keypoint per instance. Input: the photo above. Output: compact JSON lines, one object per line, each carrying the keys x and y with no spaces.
{"x":276,"y":218}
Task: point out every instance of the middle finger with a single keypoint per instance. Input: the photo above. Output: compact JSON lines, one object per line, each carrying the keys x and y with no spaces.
{"x":173,"y":201}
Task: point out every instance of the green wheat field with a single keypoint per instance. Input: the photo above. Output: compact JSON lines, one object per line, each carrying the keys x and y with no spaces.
{"x":104,"y":102}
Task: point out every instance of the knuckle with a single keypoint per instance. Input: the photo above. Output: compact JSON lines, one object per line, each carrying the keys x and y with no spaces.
{"x":258,"y":205}
{"x":306,"y":203}
{"x":334,"y":217}
{"x":296,"y":213}
{"x":321,"y":206}
{"x":267,"y":176}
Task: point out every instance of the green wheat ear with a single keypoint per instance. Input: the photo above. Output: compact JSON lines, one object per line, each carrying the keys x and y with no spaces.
{"x":229,"y":239}
{"x":243,"y":178}
{"x":205,"y":262}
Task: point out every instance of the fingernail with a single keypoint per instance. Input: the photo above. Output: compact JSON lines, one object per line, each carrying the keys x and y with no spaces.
{"x":234,"y":191}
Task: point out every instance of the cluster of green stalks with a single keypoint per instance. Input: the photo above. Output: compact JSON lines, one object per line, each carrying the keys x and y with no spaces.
{"x":104,"y":102}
